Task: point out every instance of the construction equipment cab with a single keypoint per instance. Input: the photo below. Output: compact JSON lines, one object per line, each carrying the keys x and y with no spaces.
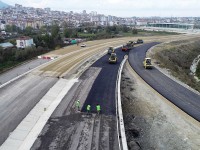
{"x":111,"y":50}
{"x":147,"y":63}
{"x":140,"y":41}
{"x":130,"y":45}
{"x":113,"y":58}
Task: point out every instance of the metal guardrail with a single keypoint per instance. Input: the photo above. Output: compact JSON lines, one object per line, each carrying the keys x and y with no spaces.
{"x":120,"y":121}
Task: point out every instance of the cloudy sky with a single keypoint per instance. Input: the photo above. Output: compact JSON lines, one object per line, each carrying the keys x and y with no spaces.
{"x":121,"y":8}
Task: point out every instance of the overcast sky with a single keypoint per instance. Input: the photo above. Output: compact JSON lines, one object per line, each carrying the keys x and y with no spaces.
{"x":120,"y":8}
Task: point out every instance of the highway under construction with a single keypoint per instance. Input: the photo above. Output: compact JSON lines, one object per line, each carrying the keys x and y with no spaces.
{"x":42,"y":113}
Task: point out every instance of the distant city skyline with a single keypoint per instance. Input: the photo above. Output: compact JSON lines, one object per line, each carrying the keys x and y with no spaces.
{"x":120,"y":8}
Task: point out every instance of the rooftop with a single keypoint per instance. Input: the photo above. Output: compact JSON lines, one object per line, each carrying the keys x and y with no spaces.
{"x":24,"y":38}
{"x":6,"y":45}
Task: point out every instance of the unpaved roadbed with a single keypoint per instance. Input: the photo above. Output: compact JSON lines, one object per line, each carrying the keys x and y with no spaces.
{"x":151,"y":121}
{"x":69,"y":129}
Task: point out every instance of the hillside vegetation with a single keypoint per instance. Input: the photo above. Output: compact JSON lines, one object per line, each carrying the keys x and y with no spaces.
{"x":177,"y":56}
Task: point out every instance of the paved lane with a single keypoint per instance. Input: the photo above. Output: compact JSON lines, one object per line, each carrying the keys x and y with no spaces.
{"x":185,"y":99}
{"x":9,"y":75}
{"x":18,"y":98}
{"x":103,"y":89}
{"x":69,"y":129}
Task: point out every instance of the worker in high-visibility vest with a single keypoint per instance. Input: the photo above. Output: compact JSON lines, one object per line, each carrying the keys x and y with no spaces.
{"x":88,"y":109}
{"x":78,"y":105}
{"x":98,"y":107}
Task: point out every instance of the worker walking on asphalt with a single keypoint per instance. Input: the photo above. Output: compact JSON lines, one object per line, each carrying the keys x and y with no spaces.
{"x":98,"y":107}
{"x":78,"y":105}
{"x":88,"y":108}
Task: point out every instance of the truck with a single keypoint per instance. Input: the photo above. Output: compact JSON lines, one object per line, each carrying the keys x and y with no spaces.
{"x":147,"y":63}
{"x":113,"y":58}
{"x":140,"y":41}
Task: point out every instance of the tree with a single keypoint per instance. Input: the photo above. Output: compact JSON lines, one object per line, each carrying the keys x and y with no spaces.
{"x":1,"y":54}
{"x":125,"y":28}
{"x":43,"y":29}
{"x":48,"y":40}
{"x":134,"y":31}
{"x":8,"y":28}
{"x":112,"y":29}
{"x":55,"y":30}
{"x":13,"y":41}
{"x":2,"y":40}
{"x":12,"y":28}
{"x":67,"y":33}
{"x":28,"y":30}
{"x":108,"y":29}
{"x":74,"y":34}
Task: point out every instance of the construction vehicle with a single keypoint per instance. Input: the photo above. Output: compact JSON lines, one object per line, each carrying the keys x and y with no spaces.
{"x":140,"y":41}
{"x":113,"y":58}
{"x":124,"y":48}
{"x":111,"y":50}
{"x":147,"y":63}
{"x":130,"y":45}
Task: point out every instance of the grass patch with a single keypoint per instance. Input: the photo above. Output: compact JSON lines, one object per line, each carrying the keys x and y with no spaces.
{"x":9,"y":64}
{"x":156,"y":33}
{"x":178,"y":57}
{"x":149,"y":33}
{"x":86,"y":35}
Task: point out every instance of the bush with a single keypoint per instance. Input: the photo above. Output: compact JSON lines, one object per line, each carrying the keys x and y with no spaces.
{"x":57,"y":47}
{"x":198,"y":71}
{"x":134,"y":31}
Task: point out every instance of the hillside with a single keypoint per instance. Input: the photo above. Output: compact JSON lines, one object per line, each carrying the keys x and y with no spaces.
{"x":178,"y":56}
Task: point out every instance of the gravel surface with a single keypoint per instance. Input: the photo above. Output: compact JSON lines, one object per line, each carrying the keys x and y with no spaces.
{"x":151,"y":121}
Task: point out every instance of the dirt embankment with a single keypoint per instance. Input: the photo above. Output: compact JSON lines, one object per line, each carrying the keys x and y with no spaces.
{"x":177,"y":57}
{"x":151,"y":121}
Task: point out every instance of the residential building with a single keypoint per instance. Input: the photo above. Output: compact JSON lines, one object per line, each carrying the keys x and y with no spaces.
{"x":24,"y":42}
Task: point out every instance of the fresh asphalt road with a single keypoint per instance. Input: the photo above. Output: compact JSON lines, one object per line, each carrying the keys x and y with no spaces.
{"x":185,"y":99}
{"x":9,"y":75}
{"x":70,"y":129}
{"x":103,"y":89}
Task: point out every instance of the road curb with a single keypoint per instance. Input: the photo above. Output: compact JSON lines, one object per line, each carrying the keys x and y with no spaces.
{"x":120,"y":121}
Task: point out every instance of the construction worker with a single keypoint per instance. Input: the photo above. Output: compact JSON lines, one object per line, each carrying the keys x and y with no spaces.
{"x":88,"y":108}
{"x":98,"y":107}
{"x":78,"y":105}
